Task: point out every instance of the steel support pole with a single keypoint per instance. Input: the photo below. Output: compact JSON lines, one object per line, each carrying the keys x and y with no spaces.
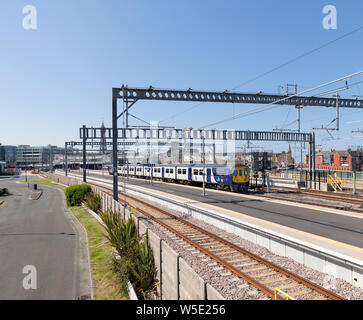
{"x":203,"y":153}
{"x":84,"y":154}
{"x":313,"y":158}
{"x":114,"y":149}
{"x":354,"y":181}
{"x":66,"y":159}
{"x":310,"y":163}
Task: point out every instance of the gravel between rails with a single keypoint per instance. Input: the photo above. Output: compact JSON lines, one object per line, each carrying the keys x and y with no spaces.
{"x":230,"y":286}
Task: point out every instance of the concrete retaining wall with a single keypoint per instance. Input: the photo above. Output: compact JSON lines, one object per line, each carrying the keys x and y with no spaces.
{"x":175,"y":279}
{"x":312,"y":256}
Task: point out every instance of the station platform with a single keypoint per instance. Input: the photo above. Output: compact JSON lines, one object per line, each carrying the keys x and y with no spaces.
{"x":321,"y":238}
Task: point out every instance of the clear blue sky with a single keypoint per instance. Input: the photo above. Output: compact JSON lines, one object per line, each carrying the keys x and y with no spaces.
{"x":59,"y":77}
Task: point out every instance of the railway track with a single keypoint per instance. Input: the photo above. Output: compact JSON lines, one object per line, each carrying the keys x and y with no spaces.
{"x":274,"y":281}
{"x":351,"y":199}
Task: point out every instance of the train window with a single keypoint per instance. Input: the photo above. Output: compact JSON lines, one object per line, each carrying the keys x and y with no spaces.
{"x":184,"y":171}
{"x":171,"y":170}
{"x":214,"y":172}
{"x":195,"y":172}
{"x":240,"y":172}
{"x":167,"y":171}
{"x":200,"y":172}
{"x":179,"y":171}
{"x":235,"y":173}
{"x":246,"y":172}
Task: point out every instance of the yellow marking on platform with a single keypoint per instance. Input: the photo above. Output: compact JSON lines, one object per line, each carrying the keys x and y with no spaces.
{"x":243,"y":215}
{"x":320,"y":238}
{"x":287,"y":203}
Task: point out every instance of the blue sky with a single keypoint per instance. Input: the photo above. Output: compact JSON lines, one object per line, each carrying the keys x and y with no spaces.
{"x":59,"y":77}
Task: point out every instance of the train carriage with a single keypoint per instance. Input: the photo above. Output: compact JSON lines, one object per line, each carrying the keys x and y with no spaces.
{"x":158,"y":172}
{"x":234,"y":178}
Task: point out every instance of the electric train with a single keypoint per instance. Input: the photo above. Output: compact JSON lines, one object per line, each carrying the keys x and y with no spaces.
{"x":233,"y":178}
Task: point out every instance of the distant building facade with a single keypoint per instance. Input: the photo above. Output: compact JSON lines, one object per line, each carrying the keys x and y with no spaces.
{"x":29,"y":155}
{"x":10,"y":155}
{"x":338,"y":159}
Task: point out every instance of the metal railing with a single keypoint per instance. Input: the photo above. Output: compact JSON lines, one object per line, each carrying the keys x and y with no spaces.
{"x":282,"y":293}
{"x":335,"y":182}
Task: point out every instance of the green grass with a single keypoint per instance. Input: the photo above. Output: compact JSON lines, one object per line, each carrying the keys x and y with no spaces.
{"x":106,"y":283}
{"x":46,"y":182}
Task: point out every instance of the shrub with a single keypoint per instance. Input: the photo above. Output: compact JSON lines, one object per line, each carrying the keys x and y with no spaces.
{"x":93,"y":201}
{"x":4,"y":192}
{"x":137,"y":259}
{"x":76,"y":194}
{"x":142,"y":267}
{"x":122,"y":235}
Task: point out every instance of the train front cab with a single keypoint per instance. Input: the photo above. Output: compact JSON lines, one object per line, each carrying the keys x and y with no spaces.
{"x":241,"y":178}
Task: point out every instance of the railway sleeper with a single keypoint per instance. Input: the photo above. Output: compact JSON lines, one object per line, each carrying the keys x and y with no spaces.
{"x":299,"y":293}
{"x":274,"y":280}
{"x":237,"y":259}
{"x":288,"y":285}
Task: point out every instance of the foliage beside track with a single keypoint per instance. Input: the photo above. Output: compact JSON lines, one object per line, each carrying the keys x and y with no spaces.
{"x":93,"y":201}
{"x":106,"y":282}
{"x":4,"y":192}
{"x":136,"y":262}
{"x":76,"y":194}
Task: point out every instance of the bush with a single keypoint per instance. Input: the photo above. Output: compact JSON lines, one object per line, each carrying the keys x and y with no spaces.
{"x":142,"y":267}
{"x":76,"y":194}
{"x":93,"y":201}
{"x":122,"y":235}
{"x":137,"y":259}
{"x":4,"y":192}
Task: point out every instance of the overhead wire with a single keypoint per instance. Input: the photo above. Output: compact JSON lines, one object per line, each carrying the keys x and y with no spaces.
{"x":299,"y":57}
{"x":273,"y":104}
{"x":274,"y":69}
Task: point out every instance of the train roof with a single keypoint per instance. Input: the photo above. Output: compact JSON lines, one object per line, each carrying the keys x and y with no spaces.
{"x":197,"y":165}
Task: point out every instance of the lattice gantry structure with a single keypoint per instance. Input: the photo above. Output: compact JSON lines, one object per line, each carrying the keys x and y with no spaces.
{"x":130,"y":95}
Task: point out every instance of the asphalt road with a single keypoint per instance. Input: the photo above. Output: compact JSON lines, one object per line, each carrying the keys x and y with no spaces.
{"x":37,"y":233}
{"x":333,"y":226}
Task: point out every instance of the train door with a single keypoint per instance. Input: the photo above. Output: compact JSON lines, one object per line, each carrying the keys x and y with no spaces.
{"x":208,"y":175}
{"x":190,"y":174}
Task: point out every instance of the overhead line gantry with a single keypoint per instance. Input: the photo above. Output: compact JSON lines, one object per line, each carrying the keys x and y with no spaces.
{"x":130,"y":95}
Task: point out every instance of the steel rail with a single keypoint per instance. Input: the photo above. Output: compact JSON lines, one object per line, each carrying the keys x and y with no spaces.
{"x":239,"y":273}
{"x":326,"y":196}
{"x":351,"y":196}
{"x":311,"y":203}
